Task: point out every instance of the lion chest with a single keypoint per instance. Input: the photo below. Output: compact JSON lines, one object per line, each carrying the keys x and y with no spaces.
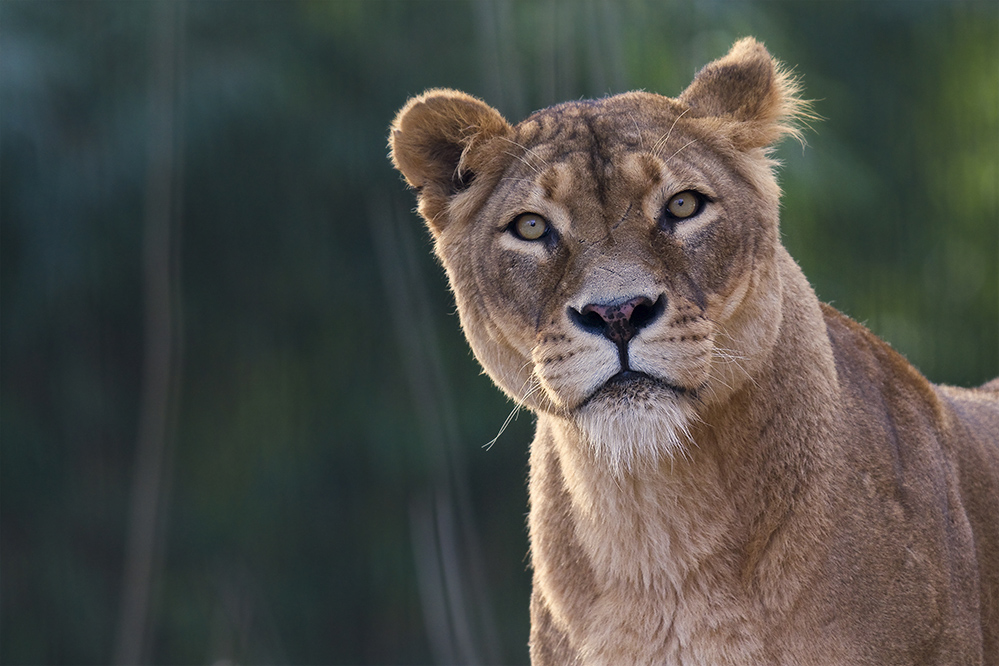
{"x":706,"y":623}
{"x":639,"y":574}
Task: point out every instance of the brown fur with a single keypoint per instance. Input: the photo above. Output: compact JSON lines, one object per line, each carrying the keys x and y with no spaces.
{"x":771,"y":484}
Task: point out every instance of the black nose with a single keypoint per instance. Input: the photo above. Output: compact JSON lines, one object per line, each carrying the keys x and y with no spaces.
{"x":618,"y":322}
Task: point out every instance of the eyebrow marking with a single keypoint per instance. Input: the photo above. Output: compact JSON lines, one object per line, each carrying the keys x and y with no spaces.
{"x":549,"y":182}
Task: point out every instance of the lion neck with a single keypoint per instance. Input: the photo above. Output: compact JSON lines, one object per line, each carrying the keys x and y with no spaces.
{"x":749,"y":474}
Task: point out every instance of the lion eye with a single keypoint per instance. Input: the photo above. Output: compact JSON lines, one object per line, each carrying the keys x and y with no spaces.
{"x":683,"y":205}
{"x":529,"y":226}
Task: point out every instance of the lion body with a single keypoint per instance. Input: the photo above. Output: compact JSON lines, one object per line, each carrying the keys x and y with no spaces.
{"x":739,"y":475}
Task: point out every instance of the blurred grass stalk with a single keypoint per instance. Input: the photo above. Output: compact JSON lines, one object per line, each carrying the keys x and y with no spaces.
{"x":454,"y":594}
{"x":161,"y":363}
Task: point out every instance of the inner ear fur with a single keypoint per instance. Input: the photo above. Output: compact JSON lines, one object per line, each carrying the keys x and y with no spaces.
{"x":436,"y":142}
{"x":750,"y":88}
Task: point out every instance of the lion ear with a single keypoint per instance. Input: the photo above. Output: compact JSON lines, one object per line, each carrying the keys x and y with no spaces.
{"x":751,"y":88}
{"x":436,"y":143}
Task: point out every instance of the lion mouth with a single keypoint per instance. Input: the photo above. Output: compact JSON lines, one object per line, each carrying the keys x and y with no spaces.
{"x":632,"y":386}
{"x":627,"y":378}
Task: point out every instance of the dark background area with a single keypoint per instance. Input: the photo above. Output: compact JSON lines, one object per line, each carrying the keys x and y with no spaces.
{"x":238,"y":421}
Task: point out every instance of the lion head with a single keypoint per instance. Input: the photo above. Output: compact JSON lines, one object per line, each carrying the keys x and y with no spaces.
{"x":613,"y":260}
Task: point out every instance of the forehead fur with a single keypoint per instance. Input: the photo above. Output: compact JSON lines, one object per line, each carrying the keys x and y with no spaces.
{"x":634,"y":121}
{"x":622,"y":147}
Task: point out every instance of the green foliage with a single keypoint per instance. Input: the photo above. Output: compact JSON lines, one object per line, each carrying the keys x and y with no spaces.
{"x":326,"y":494}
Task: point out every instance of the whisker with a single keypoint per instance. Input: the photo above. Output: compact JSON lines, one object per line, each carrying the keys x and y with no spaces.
{"x":638,"y":132}
{"x":685,"y":146}
{"x":516,"y":180}
{"x":725,"y":384}
{"x":661,"y":143}
{"x":726,"y":356}
{"x":514,"y":412}
{"x":525,"y":162}
{"x":730,"y":357}
{"x":530,"y":152}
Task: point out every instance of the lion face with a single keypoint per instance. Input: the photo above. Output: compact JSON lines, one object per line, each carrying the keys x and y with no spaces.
{"x":612,"y":260}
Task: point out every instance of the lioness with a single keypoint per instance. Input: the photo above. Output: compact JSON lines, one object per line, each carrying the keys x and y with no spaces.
{"x":725,"y":471}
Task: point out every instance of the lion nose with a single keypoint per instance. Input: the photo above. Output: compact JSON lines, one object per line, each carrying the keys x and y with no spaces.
{"x":618,"y":322}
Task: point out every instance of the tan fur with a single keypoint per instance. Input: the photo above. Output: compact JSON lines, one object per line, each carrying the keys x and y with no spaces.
{"x":777,"y":486}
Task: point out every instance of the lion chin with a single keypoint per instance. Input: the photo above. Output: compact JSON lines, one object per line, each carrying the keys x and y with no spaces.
{"x":634,"y":422}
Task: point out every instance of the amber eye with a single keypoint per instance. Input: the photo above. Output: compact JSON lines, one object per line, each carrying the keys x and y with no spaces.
{"x":683,"y":205}
{"x":529,"y":226}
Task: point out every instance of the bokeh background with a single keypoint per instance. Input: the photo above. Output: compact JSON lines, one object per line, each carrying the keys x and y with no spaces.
{"x":238,"y":421}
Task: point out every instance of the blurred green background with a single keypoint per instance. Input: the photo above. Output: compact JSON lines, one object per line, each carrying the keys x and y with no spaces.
{"x":238,"y":421}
